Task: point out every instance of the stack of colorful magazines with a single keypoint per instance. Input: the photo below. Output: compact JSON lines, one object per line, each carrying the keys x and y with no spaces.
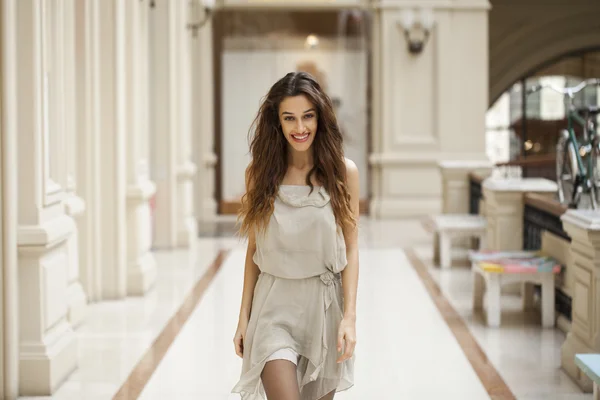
{"x":515,"y":262}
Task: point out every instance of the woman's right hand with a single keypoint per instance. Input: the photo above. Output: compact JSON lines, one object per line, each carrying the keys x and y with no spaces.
{"x":240,"y":336}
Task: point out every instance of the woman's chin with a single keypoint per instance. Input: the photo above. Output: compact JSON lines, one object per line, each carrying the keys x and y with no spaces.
{"x":300,"y":147}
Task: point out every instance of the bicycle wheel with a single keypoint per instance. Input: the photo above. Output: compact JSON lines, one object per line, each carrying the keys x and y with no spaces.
{"x":567,"y":171}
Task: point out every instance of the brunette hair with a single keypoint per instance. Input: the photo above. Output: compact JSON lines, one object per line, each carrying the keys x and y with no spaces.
{"x":269,"y":152}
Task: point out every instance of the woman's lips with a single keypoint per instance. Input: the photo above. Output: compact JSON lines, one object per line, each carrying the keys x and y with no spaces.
{"x":300,"y":138}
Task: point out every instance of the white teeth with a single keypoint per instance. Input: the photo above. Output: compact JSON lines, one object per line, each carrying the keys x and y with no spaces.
{"x":301,"y":137}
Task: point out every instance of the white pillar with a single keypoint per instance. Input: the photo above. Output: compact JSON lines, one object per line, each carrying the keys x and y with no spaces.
{"x":74,"y":205}
{"x":9,"y":318}
{"x":187,"y":226}
{"x":172,"y":168}
{"x":415,"y":97}
{"x":141,"y":266}
{"x":87,"y":149}
{"x":47,"y":346}
{"x":203,"y":122}
{"x":105,"y":27}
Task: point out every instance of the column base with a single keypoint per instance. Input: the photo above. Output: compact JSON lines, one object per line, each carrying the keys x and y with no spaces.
{"x":141,"y":266}
{"x":403,"y":208}
{"x":570,"y":347}
{"x":43,"y":367}
{"x":209,"y":209}
{"x":76,"y":297}
{"x":188,"y":234}
{"x":76,"y":303}
{"x":141,"y":275}
{"x":48,"y":349}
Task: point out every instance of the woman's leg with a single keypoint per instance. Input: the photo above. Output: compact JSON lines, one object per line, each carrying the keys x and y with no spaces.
{"x":280,"y":381}
{"x":328,"y":396}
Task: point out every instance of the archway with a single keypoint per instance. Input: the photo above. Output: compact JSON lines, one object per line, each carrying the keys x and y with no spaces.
{"x":522,"y":127}
{"x":527,"y":36}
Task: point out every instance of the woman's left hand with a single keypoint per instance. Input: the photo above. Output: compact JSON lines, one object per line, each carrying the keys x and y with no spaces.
{"x":347,"y":334}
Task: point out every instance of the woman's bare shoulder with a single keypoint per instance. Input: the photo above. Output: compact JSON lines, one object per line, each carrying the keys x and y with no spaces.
{"x":351,"y":174}
{"x":351,"y":168}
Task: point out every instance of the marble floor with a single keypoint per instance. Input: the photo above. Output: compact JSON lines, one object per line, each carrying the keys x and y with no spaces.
{"x":406,"y":347}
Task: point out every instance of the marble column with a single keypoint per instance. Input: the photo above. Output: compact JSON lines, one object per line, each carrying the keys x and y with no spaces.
{"x":187,"y":226}
{"x":172,"y":168}
{"x":583,"y":226}
{"x":47,"y":346}
{"x":87,"y":149}
{"x":418,"y":119}
{"x":203,"y":121}
{"x":141,"y":266}
{"x":9,"y":283}
{"x":106,"y":64}
{"x":74,"y":204}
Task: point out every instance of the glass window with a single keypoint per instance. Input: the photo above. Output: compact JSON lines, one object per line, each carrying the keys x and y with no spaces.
{"x":532,"y":129}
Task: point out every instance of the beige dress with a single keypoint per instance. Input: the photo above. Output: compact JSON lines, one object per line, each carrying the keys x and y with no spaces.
{"x":298,"y":298}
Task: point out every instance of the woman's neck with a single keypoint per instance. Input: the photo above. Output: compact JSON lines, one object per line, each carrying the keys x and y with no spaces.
{"x":301,"y":160}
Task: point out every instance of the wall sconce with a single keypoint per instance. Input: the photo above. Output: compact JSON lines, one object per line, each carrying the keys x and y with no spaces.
{"x":200,"y":14}
{"x":416,"y":27}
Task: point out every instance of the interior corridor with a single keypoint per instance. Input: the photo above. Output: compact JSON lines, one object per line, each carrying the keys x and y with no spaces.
{"x":417,"y":337}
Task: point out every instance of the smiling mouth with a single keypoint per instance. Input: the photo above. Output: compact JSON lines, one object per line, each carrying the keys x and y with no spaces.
{"x":301,"y":138}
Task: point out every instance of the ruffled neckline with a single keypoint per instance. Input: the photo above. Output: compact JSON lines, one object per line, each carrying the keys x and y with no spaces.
{"x":300,"y":196}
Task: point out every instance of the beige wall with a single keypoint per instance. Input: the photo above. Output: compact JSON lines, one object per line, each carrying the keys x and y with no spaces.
{"x":427,"y":107}
{"x":526,"y":34}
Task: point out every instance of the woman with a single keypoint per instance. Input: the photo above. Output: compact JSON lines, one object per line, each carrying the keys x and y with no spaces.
{"x":300,"y":215}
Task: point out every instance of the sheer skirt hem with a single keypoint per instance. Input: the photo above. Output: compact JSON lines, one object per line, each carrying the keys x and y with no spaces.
{"x":250,"y":385}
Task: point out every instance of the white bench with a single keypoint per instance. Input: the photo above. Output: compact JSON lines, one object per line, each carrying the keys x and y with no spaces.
{"x":491,"y":270}
{"x":449,"y":227}
{"x":590,"y":366}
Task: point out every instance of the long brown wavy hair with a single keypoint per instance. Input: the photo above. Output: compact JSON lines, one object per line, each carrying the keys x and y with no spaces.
{"x":269,"y":152}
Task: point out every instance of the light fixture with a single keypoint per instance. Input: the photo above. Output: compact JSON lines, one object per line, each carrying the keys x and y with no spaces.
{"x":200,"y":13}
{"x":312,"y":42}
{"x":416,"y":25}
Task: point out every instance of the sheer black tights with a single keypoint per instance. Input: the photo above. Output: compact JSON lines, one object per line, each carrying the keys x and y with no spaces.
{"x":280,"y":382}
{"x":279,"y":379}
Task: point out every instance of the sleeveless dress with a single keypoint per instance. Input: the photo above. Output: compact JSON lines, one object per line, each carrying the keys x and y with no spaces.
{"x":298,"y":298}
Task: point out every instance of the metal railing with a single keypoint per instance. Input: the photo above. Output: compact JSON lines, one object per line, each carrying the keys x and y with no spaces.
{"x":475,"y":193}
{"x":541,"y":214}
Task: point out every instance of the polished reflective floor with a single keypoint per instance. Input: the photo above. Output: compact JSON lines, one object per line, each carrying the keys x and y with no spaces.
{"x":417,"y":335}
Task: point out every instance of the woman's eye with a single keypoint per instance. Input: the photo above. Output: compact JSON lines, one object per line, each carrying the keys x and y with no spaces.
{"x":289,"y":118}
{"x":307,"y":116}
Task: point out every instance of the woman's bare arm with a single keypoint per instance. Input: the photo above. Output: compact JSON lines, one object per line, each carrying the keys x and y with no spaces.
{"x":350,"y":273}
{"x":347,"y":329}
{"x":251,"y":272}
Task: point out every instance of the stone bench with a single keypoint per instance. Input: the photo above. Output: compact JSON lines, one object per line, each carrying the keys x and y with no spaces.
{"x":491,"y":270}
{"x":450,"y":227}
{"x":589,"y":364}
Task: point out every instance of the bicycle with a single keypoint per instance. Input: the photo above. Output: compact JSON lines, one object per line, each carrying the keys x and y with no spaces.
{"x":573,"y":177}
